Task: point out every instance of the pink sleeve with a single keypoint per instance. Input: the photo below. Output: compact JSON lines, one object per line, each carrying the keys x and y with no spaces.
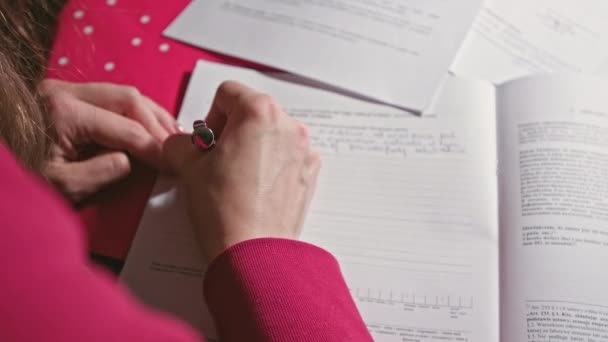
{"x":259,"y":290}
{"x":281,"y":290}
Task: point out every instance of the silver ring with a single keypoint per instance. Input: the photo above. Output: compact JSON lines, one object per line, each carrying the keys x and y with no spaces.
{"x":202,"y":136}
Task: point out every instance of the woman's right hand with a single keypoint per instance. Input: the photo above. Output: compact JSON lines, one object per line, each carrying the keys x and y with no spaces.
{"x":256,"y":182}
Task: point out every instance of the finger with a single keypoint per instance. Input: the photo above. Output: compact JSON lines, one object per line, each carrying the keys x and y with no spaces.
{"x":124,"y":100}
{"x":163,"y":116}
{"x":82,"y":179}
{"x":100,"y":171}
{"x":227,"y":97}
{"x":81,"y":91}
{"x":116,"y":132}
{"x":178,"y":151}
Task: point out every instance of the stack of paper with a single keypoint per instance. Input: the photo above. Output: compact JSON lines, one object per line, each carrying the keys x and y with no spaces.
{"x":398,"y":51}
{"x":393,"y":51}
{"x":516,"y":38}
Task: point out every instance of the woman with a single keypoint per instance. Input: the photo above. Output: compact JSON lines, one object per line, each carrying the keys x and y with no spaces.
{"x":247,"y":198}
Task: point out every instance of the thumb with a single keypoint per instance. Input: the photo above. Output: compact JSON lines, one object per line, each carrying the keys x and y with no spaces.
{"x":81,"y":179}
{"x":177,"y":151}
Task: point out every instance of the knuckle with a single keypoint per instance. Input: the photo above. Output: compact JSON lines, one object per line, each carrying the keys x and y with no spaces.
{"x":303,"y":132}
{"x":315,"y":159}
{"x":226,"y":87}
{"x":75,"y":191}
{"x":60,"y":103}
{"x":133,"y":97}
{"x":68,"y":184}
{"x":132,"y":92}
{"x":119,"y":164}
{"x":263,"y":107}
{"x":46,"y":86}
{"x":135,"y":132}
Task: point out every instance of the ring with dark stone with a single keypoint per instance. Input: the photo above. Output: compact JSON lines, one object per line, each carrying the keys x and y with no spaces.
{"x":202,"y":136}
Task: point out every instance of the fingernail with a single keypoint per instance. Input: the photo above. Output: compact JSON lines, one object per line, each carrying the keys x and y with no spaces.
{"x":180,"y":128}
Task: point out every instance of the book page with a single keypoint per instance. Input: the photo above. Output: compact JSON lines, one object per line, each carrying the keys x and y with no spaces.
{"x":406,"y":204}
{"x":553,"y":163}
{"x":516,"y":38}
{"x":396,"y":51}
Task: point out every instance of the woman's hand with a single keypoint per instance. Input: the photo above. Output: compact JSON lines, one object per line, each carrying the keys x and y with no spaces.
{"x":256,"y":182}
{"x":97,"y":126}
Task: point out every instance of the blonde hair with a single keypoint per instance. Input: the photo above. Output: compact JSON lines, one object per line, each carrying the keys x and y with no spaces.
{"x":24,"y":36}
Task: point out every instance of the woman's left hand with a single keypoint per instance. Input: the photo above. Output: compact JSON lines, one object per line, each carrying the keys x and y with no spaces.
{"x":97,"y":127}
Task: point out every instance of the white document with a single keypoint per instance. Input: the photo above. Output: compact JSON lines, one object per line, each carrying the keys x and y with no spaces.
{"x":413,"y":225}
{"x":553,"y":152}
{"x":515,"y":38}
{"x":395,"y":51}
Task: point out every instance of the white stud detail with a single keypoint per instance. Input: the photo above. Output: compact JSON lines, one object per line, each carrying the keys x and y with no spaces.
{"x":145,"y":19}
{"x":136,"y":41}
{"x":109,"y":66}
{"x":164,"y":47}
{"x":78,"y":14}
{"x":63,"y":61}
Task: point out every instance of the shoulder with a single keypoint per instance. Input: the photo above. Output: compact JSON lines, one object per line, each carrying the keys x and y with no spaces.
{"x":33,"y":215}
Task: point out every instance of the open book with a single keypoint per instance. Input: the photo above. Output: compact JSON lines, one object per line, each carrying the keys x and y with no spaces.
{"x":393,"y":51}
{"x":434,"y":243}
